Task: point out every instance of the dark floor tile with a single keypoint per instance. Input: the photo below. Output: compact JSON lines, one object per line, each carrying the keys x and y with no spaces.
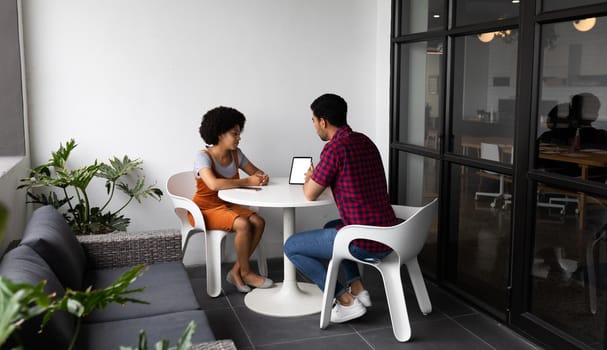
{"x":447,"y":303}
{"x":452,"y":324}
{"x":226,"y":325}
{"x":235,"y":298}
{"x":493,"y":332}
{"x":196,"y":271}
{"x":206,"y":302}
{"x":378,"y":315}
{"x":338,"y":342}
{"x":267,"y":330}
{"x":439,"y":334}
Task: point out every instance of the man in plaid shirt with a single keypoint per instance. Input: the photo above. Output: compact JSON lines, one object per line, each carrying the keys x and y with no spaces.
{"x":351,"y":166}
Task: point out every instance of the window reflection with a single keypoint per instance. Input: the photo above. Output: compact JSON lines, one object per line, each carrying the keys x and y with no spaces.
{"x":571,"y":134}
{"x":551,"y":5}
{"x":568,"y":274}
{"x":480,"y":233}
{"x":421,"y":16}
{"x":420,"y":93}
{"x":418,"y":185}
{"x":485,"y":93}
{"x":473,"y":11}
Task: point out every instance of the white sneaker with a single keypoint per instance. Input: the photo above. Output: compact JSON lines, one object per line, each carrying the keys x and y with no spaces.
{"x":342,"y":313}
{"x":364,"y":298}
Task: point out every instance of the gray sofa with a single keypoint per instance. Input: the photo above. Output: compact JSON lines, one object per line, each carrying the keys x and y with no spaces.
{"x":50,"y":251}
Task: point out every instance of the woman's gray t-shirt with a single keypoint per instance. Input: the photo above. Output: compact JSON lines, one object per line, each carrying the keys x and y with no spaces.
{"x":203,"y":160}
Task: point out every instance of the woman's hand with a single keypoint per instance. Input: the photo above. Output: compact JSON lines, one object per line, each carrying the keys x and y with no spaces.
{"x":259,"y":178}
{"x":263,"y":178}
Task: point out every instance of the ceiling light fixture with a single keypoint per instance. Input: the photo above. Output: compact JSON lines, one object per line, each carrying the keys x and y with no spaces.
{"x":584,"y":25}
{"x":503,"y":34}
{"x":486,"y":37}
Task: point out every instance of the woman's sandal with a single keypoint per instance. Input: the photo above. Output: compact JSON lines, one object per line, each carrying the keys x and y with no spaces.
{"x":243,"y":288}
{"x":267,"y":283}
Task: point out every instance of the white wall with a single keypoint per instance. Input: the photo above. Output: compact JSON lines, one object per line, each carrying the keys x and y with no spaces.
{"x":12,"y":199}
{"x":134,"y":77}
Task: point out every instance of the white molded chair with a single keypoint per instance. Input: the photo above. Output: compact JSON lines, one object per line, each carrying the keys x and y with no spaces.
{"x":406,"y":239}
{"x":181,"y":188}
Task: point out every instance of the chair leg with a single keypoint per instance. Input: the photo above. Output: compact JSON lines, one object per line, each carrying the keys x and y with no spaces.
{"x":329,"y":292}
{"x":213,"y":241}
{"x":591,"y":272}
{"x":419,"y":286}
{"x":396,"y":301}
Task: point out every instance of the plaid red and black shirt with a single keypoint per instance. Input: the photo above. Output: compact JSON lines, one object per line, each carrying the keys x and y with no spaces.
{"x":351,"y":165}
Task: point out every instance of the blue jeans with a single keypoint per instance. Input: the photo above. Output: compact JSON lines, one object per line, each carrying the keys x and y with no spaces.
{"x":309,"y":250}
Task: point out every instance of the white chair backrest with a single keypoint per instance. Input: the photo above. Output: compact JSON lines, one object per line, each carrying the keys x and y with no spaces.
{"x":182,"y":184}
{"x":181,"y":188}
{"x":407,"y":238}
{"x":490,"y":151}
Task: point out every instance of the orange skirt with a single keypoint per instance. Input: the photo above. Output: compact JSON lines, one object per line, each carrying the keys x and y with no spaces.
{"x":223,"y":216}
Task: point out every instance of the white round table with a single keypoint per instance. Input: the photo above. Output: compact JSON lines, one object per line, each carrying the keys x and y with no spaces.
{"x":289,"y":298}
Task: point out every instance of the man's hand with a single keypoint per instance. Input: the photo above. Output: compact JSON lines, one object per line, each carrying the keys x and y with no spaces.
{"x":308,"y":173}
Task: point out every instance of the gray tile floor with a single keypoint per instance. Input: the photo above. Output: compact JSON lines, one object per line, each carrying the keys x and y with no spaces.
{"x":451,"y":325}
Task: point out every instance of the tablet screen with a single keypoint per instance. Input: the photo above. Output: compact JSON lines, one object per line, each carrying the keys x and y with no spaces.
{"x":299,"y":167}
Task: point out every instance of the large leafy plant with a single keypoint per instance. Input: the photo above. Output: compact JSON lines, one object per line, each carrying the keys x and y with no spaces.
{"x":55,"y":184}
{"x":20,"y":302}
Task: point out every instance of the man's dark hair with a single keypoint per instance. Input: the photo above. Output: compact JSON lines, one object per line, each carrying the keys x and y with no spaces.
{"x":331,"y":107}
{"x":218,"y":121}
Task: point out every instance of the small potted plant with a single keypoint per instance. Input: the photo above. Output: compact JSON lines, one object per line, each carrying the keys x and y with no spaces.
{"x":54,"y":183}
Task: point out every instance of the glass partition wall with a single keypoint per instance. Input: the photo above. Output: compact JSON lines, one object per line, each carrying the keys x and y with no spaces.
{"x":499,"y":108}
{"x":567,"y":269}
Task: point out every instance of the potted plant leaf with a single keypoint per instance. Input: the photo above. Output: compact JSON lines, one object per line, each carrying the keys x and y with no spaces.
{"x":54,"y":183}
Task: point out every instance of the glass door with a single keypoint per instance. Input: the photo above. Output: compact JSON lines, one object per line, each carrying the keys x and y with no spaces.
{"x":569,"y":269}
{"x":480,"y":194}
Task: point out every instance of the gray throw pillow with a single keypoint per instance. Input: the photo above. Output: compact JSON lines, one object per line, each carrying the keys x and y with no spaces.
{"x":52,"y":238}
{"x":24,"y":265}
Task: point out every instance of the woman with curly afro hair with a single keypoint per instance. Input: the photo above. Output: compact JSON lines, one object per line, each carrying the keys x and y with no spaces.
{"x":216,"y":168}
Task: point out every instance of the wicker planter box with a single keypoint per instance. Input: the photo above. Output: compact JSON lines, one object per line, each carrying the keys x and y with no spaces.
{"x":119,"y":249}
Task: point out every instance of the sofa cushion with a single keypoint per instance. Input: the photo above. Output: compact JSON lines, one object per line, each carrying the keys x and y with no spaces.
{"x":24,"y":265}
{"x":111,"y":335}
{"x":166,"y":286}
{"x":49,"y":234}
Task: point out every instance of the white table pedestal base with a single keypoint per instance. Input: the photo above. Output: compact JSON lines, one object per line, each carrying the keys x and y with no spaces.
{"x":285,"y":300}
{"x":290,"y":298}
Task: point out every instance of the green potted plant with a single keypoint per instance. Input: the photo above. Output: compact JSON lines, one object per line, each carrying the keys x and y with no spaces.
{"x":54,"y":183}
{"x":20,"y":302}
